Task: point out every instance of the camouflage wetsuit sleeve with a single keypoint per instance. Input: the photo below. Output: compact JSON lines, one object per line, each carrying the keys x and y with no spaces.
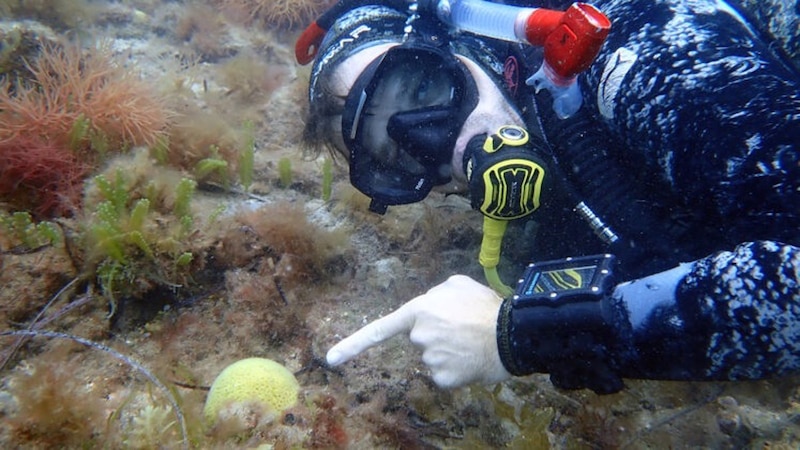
{"x":746,"y":304}
{"x":732,"y":315}
{"x":718,"y":113}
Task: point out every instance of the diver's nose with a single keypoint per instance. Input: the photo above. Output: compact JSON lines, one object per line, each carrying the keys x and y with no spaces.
{"x":422,"y":132}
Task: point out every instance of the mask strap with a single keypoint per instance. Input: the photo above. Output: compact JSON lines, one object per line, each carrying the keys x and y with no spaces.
{"x":307,"y":45}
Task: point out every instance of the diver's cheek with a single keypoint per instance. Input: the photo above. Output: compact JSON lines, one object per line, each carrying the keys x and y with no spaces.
{"x":477,"y":123}
{"x":456,"y":162}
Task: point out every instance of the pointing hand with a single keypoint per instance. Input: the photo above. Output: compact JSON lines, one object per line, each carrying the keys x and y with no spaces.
{"x":455,"y":325}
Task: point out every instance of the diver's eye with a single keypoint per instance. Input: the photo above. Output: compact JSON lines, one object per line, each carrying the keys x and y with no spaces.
{"x":423,"y":89}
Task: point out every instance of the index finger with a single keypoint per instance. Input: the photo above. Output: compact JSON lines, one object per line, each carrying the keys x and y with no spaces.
{"x":399,"y":321}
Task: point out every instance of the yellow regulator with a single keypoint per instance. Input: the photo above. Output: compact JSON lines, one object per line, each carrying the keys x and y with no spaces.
{"x":505,"y":174}
{"x":506,"y":179}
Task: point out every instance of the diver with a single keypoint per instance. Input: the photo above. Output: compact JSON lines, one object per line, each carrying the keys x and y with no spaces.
{"x":653,"y":142}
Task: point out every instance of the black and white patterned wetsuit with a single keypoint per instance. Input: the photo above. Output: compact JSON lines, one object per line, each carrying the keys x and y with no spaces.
{"x":702,"y":120}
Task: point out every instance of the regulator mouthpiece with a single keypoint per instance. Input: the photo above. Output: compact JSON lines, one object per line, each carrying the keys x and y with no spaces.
{"x":569,"y":49}
{"x":505,"y":174}
{"x":567,"y":97}
{"x":506,"y":179}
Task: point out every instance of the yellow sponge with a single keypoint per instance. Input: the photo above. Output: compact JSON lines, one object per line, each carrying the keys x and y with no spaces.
{"x":252,"y":380}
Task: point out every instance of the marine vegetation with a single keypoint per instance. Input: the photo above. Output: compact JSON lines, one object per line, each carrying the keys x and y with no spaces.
{"x":61,"y":14}
{"x":18,"y":230}
{"x":280,"y":13}
{"x":139,"y":232}
{"x":60,"y":118}
{"x":54,"y":411}
{"x":327,"y":179}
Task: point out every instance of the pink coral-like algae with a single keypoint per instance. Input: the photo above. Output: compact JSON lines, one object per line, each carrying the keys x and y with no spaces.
{"x":59,"y":118}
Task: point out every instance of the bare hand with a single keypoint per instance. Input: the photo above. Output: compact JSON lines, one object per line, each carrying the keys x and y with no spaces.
{"x":455,"y":325}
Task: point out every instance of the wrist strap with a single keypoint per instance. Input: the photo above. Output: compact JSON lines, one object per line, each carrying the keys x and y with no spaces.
{"x":570,"y":342}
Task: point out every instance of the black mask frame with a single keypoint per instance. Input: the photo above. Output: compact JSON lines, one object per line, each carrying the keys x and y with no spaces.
{"x":427,"y":134}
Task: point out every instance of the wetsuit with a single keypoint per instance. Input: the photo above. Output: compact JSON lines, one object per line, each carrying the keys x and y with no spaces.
{"x":688,"y":146}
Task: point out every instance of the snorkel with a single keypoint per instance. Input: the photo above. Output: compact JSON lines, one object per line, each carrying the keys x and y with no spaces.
{"x":571,"y":40}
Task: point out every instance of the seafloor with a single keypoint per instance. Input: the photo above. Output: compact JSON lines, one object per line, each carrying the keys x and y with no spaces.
{"x":270,"y":258}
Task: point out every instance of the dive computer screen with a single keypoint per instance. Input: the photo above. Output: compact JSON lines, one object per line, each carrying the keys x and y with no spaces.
{"x":571,"y":278}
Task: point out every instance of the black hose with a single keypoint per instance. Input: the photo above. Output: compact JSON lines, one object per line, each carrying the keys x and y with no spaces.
{"x":584,"y":154}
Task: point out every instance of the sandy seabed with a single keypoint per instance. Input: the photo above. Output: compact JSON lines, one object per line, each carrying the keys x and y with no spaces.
{"x":282,"y":270}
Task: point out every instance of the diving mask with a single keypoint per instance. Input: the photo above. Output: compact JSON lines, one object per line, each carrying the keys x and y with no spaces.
{"x":401,"y":121}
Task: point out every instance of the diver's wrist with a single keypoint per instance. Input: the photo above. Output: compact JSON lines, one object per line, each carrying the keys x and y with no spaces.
{"x":556,"y":323}
{"x":505,"y":343}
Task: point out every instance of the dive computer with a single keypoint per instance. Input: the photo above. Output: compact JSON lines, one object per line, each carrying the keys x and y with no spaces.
{"x":568,"y":280}
{"x":558,"y":321}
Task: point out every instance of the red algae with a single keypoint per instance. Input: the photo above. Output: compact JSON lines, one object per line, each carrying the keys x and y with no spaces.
{"x":39,"y":176}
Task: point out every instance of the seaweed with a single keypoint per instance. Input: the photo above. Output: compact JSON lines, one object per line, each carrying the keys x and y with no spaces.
{"x":208,"y":167}
{"x":169,"y":394}
{"x":135,"y":239}
{"x":40,"y":176}
{"x":182,"y":207}
{"x":286,"y":14}
{"x":285,"y":172}
{"x":70,"y":92}
{"x":61,"y":116}
{"x":327,"y":179}
{"x":20,"y":230}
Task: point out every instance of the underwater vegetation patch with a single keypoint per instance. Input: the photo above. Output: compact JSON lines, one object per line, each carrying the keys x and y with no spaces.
{"x":61,"y":117}
{"x":61,"y":14}
{"x":20,"y":230}
{"x":56,"y":410}
{"x":139,"y":233}
{"x":279,"y":13}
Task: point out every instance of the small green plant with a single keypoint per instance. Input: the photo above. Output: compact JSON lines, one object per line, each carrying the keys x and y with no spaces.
{"x":214,"y":216}
{"x":115,"y":230}
{"x":84,"y":135}
{"x":213,"y":166}
{"x":116,"y":192}
{"x":79,"y":131}
{"x":183,"y":197}
{"x":285,"y":171}
{"x":100,"y":143}
{"x":132,"y":244}
{"x":327,"y":179}
{"x":184,"y":259}
{"x":20,"y":229}
{"x":247,"y":157}
{"x":160,"y":150}
{"x":208,"y":166}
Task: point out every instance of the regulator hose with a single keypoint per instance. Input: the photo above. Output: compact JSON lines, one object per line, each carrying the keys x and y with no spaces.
{"x":582,"y":153}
